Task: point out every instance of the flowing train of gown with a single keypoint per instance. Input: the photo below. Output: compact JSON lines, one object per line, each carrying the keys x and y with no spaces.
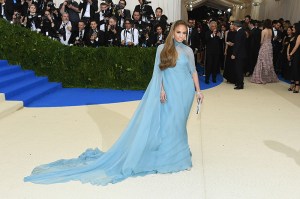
{"x":264,"y":69}
{"x":154,"y":141}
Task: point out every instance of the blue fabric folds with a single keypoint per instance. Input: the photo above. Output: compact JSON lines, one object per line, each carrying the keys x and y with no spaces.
{"x":154,"y":141}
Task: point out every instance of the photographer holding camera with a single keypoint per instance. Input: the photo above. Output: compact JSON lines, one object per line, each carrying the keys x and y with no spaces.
{"x":6,"y":9}
{"x":130,"y":35}
{"x":54,"y":12}
{"x":17,"y":18}
{"x":64,"y":31}
{"x":70,"y":7}
{"x":141,"y":26}
{"x":145,"y":10}
{"x":33,"y":20}
{"x":103,"y":16}
{"x":159,"y":36}
{"x":96,"y":36}
{"x":121,"y":13}
{"x":79,"y":37}
{"x":89,"y":8}
{"x":48,"y":25}
{"x":160,"y":18}
{"x":113,"y":33}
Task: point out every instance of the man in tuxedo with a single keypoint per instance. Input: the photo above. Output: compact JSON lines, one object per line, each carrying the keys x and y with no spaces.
{"x":277,"y":37}
{"x":96,"y":36}
{"x":239,"y":54}
{"x":113,"y":33}
{"x":7,"y":9}
{"x":130,"y":35}
{"x":122,"y":13}
{"x":193,"y":37}
{"x":33,"y":20}
{"x":103,"y":16}
{"x":137,"y":21}
{"x":145,"y":10}
{"x":255,"y":37}
{"x":88,"y":8}
{"x":212,"y":41}
{"x":159,"y":18}
{"x":64,"y":29}
{"x":79,"y":37}
{"x":158,"y":37}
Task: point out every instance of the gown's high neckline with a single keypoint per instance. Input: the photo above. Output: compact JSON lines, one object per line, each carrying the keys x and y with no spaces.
{"x":177,"y":43}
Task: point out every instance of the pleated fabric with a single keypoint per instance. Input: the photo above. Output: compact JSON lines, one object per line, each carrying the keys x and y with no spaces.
{"x":154,"y":141}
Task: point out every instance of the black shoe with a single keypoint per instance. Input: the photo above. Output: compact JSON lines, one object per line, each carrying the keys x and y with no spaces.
{"x":239,"y":87}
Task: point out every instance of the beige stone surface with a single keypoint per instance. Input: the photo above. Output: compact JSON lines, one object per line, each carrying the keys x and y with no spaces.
{"x":245,"y":145}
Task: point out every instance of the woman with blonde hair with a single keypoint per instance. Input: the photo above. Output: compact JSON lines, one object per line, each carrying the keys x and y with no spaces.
{"x":155,"y":140}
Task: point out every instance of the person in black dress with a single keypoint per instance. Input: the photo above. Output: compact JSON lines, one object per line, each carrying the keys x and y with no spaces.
{"x":229,"y":63}
{"x":285,"y":64}
{"x":294,"y":57}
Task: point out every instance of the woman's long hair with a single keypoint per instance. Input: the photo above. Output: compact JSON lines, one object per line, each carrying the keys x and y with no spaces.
{"x":169,"y":55}
{"x":267,"y":24}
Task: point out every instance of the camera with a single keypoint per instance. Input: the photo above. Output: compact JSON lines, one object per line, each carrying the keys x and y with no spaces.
{"x":69,"y":2}
{"x":51,"y":5}
{"x":146,"y":2}
{"x":62,"y":32}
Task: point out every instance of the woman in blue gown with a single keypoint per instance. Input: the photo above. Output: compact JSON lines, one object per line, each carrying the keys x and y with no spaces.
{"x":155,"y":140}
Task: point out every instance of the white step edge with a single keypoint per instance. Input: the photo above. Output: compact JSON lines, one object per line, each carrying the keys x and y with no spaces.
{"x":2,"y":97}
{"x":9,"y":107}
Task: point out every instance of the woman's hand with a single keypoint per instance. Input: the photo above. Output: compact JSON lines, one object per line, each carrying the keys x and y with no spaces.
{"x":163,"y":96}
{"x":200,"y":96}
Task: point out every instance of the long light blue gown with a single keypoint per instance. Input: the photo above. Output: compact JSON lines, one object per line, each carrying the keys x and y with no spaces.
{"x":155,"y":140}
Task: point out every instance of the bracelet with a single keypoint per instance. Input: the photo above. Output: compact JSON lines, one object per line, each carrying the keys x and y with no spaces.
{"x":199,"y":92}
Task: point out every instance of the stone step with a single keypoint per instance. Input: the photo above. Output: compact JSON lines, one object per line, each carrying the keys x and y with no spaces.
{"x":9,"y":107}
{"x":2,"y":97}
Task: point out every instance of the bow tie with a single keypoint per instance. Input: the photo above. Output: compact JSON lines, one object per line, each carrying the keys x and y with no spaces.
{"x":128,"y":31}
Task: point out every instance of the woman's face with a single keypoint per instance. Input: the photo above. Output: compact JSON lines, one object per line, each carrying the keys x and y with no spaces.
{"x":289,"y":31}
{"x":294,"y":30}
{"x":180,"y":33}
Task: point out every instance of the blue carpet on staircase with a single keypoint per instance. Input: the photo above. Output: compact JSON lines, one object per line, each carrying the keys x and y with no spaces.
{"x":22,"y":85}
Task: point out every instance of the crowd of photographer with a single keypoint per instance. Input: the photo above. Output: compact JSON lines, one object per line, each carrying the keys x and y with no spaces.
{"x":90,"y":23}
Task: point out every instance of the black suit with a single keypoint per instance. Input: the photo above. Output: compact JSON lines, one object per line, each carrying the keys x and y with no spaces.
{"x":100,"y":41}
{"x":82,"y":38}
{"x":162,"y":21}
{"x":255,"y":37}
{"x":8,"y":10}
{"x":126,"y":15}
{"x":212,"y":55}
{"x":193,"y":40}
{"x":93,"y":8}
{"x":240,"y":53}
{"x":112,"y":38}
{"x":148,"y":11}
